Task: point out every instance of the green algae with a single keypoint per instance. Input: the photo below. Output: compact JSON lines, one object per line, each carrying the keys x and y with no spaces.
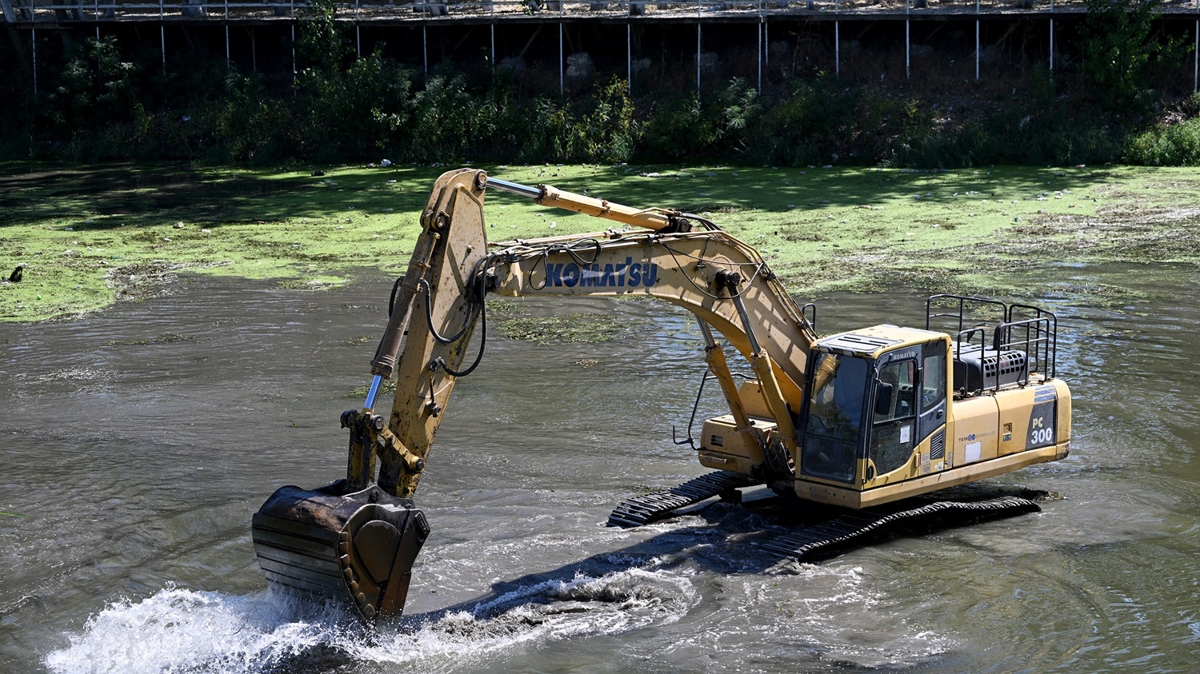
{"x":95,"y":235}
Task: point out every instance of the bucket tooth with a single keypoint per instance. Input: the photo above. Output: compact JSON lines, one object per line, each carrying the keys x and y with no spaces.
{"x":357,"y":548}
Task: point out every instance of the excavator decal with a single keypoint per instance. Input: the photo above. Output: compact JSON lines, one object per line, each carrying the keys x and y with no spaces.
{"x":631,"y":274}
{"x":825,"y":423}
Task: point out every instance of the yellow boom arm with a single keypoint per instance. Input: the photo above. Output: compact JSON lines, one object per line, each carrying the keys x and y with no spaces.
{"x":725,"y":283}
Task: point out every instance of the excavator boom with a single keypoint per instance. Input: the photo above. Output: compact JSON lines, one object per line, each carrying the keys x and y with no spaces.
{"x":357,"y":537}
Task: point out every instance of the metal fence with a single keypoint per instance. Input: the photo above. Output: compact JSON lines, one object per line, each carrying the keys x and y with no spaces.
{"x":391,"y":11}
{"x":32,"y":13}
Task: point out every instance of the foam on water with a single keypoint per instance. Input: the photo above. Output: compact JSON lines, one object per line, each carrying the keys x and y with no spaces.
{"x":182,"y":630}
{"x":546,"y":611}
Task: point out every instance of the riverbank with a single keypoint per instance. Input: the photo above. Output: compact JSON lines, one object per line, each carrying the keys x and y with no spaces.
{"x":91,"y":236}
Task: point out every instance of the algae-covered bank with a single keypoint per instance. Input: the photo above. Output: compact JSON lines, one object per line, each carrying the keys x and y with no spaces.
{"x":93,"y":235}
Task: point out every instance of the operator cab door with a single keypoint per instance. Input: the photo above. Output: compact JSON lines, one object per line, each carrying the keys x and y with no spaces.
{"x":909,"y":406}
{"x":893,"y":421}
{"x":933,"y":390}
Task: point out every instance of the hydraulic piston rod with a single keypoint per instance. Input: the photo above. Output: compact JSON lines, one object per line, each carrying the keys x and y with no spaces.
{"x":546,"y":195}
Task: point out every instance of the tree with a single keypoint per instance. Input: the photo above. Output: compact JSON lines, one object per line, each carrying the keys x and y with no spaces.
{"x":1120,"y":49}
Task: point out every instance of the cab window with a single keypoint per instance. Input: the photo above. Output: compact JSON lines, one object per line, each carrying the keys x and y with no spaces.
{"x":837,"y":402}
{"x":901,"y":376}
{"x":895,"y":406}
{"x":933,"y":383}
{"x":835,"y":417}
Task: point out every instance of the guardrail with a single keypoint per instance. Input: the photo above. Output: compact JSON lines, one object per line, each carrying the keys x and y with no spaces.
{"x":367,"y":11}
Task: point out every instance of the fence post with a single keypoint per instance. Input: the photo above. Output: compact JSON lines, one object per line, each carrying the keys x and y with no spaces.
{"x":629,"y":59}
{"x":33,"y":42}
{"x":907,"y":42}
{"x":292,"y":14}
{"x":837,"y":39}
{"x":1051,"y":35}
{"x":760,"y":45}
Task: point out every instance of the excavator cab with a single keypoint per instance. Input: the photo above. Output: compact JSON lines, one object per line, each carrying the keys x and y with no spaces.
{"x":867,"y":413}
{"x":893,"y":412}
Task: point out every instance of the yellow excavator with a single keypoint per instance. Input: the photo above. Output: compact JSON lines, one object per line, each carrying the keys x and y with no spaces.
{"x":863,"y":426}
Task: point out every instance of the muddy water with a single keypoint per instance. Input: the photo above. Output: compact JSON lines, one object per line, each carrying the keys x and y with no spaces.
{"x":136,"y":443}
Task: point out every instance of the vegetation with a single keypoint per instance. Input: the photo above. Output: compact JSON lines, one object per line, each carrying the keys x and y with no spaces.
{"x":1175,"y":142}
{"x":565,"y":328}
{"x":1121,"y":52}
{"x":105,"y":103}
{"x":95,"y":235}
{"x":838,"y":202}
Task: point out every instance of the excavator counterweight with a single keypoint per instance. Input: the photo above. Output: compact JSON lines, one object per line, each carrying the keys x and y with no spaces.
{"x":867,"y":428}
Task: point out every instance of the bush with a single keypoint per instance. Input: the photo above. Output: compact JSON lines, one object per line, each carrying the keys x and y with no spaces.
{"x":343,"y":107}
{"x":677,"y":128}
{"x":1173,"y":145}
{"x":598,"y":129}
{"x":250,"y":125}
{"x":448,"y":121}
{"x":94,"y":110}
{"x":607,"y":134}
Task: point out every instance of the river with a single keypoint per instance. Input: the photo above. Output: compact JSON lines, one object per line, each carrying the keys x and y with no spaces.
{"x":136,"y":442}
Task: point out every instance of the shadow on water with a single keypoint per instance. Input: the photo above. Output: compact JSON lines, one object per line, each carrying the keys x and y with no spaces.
{"x":714,"y":537}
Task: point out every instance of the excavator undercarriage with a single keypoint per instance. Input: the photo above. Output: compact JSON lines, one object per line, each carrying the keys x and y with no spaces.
{"x":861,"y":431}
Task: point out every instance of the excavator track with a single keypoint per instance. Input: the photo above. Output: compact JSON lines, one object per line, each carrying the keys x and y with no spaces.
{"x":811,"y":541}
{"x":841,"y":528}
{"x":639,"y":510}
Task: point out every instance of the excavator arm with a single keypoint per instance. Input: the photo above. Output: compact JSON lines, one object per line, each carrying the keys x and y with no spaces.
{"x":358,"y":537}
{"x":723,"y":282}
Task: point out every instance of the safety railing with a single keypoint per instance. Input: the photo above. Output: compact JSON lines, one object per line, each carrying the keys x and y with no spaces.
{"x":1008,"y":343}
{"x":366,"y":11}
{"x":1017,"y":351}
{"x":1035,"y":331}
{"x":955,"y":313}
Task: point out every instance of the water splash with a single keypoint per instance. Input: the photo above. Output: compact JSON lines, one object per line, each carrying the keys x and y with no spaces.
{"x":187,"y":631}
{"x":182,"y":630}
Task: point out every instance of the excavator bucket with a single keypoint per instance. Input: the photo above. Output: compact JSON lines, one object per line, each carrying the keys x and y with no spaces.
{"x":354,"y":542}
{"x":354,"y":548}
